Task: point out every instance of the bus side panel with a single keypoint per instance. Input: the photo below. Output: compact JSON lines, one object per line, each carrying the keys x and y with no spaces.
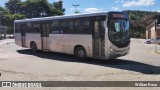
{"x":18,"y":39}
{"x":55,"y":42}
{"x":36,"y":37}
{"x":65,"y":43}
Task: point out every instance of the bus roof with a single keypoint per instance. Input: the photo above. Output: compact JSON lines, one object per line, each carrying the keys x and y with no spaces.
{"x":62,"y":17}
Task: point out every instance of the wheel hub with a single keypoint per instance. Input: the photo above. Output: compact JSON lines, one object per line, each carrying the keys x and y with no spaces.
{"x":81,"y":54}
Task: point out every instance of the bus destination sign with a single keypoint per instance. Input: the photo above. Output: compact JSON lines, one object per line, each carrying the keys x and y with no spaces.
{"x":118,"y":15}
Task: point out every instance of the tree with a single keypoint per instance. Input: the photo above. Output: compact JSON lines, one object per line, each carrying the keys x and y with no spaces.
{"x":14,"y":6}
{"x":9,"y":21}
{"x":139,"y":20}
{"x":17,"y":9}
{"x":35,"y":8}
{"x":57,"y":8}
{"x":4,"y":13}
{"x":38,"y":8}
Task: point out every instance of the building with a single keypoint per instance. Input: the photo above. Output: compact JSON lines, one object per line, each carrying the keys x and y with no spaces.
{"x":151,"y":32}
{"x":149,"y":24}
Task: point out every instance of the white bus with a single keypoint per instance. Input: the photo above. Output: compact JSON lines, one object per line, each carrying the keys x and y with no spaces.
{"x":98,"y":35}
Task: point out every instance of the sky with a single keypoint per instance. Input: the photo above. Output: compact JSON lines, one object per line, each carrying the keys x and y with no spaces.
{"x":92,"y":6}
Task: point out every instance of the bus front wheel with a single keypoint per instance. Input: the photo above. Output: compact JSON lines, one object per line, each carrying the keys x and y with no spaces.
{"x":80,"y":53}
{"x":33,"y":47}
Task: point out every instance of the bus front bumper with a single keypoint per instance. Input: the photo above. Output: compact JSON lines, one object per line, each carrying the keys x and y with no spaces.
{"x":114,"y":54}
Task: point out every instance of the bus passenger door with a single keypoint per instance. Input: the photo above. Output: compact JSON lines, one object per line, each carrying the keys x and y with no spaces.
{"x":23,"y":28}
{"x":45,"y":36}
{"x":98,"y":39}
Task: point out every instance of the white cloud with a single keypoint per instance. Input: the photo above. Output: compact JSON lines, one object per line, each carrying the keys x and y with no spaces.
{"x":93,"y":10}
{"x":57,"y":0}
{"x":115,"y":8}
{"x":138,"y":3}
{"x":119,"y":1}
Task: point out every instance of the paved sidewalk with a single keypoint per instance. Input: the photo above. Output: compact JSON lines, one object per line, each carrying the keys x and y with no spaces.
{"x":6,"y":41}
{"x":5,"y":54}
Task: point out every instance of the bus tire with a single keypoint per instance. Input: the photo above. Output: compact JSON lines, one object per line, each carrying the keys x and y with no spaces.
{"x":33,"y":47}
{"x":80,"y":53}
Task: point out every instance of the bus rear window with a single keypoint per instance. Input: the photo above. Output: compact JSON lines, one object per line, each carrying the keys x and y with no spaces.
{"x":17,"y":28}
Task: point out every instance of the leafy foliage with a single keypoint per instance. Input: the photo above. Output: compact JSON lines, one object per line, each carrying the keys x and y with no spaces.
{"x":58,"y":7}
{"x":17,"y":9}
{"x":141,"y":19}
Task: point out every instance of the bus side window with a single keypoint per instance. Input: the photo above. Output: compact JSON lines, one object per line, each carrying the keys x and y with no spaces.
{"x":17,"y":28}
{"x":36,"y":27}
{"x":29,"y":27}
{"x":102,"y":29}
{"x":82,"y":26}
{"x":55,"y":27}
{"x":64,"y":27}
{"x":77,"y":24}
{"x":23,"y":29}
{"x":86,"y":27}
{"x":71,"y":27}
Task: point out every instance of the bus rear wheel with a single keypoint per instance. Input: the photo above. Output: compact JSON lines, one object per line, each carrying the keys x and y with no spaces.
{"x":33,"y":47}
{"x":80,"y":53}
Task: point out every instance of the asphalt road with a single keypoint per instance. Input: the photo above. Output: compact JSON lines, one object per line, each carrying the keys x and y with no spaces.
{"x":17,"y":63}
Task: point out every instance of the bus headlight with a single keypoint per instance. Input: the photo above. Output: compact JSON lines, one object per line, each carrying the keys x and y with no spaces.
{"x":111,"y":49}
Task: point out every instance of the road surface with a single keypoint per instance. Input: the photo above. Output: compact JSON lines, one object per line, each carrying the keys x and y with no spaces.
{"x":20,"y":64}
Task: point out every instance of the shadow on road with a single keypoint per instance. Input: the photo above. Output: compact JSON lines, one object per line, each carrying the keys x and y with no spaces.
{"x":114,"y":63}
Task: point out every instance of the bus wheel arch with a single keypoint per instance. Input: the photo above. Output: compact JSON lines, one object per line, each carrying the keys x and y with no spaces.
{"x":33,"y":46}
{"x":80,"y":52}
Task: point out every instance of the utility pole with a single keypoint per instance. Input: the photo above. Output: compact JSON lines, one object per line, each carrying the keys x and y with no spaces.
{"x":75,"y":5}
{"x":156,"y":35}
{"x":0,"y":25}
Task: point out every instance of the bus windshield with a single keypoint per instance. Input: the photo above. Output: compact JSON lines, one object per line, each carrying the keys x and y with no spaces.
{"x":119,"y":31}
